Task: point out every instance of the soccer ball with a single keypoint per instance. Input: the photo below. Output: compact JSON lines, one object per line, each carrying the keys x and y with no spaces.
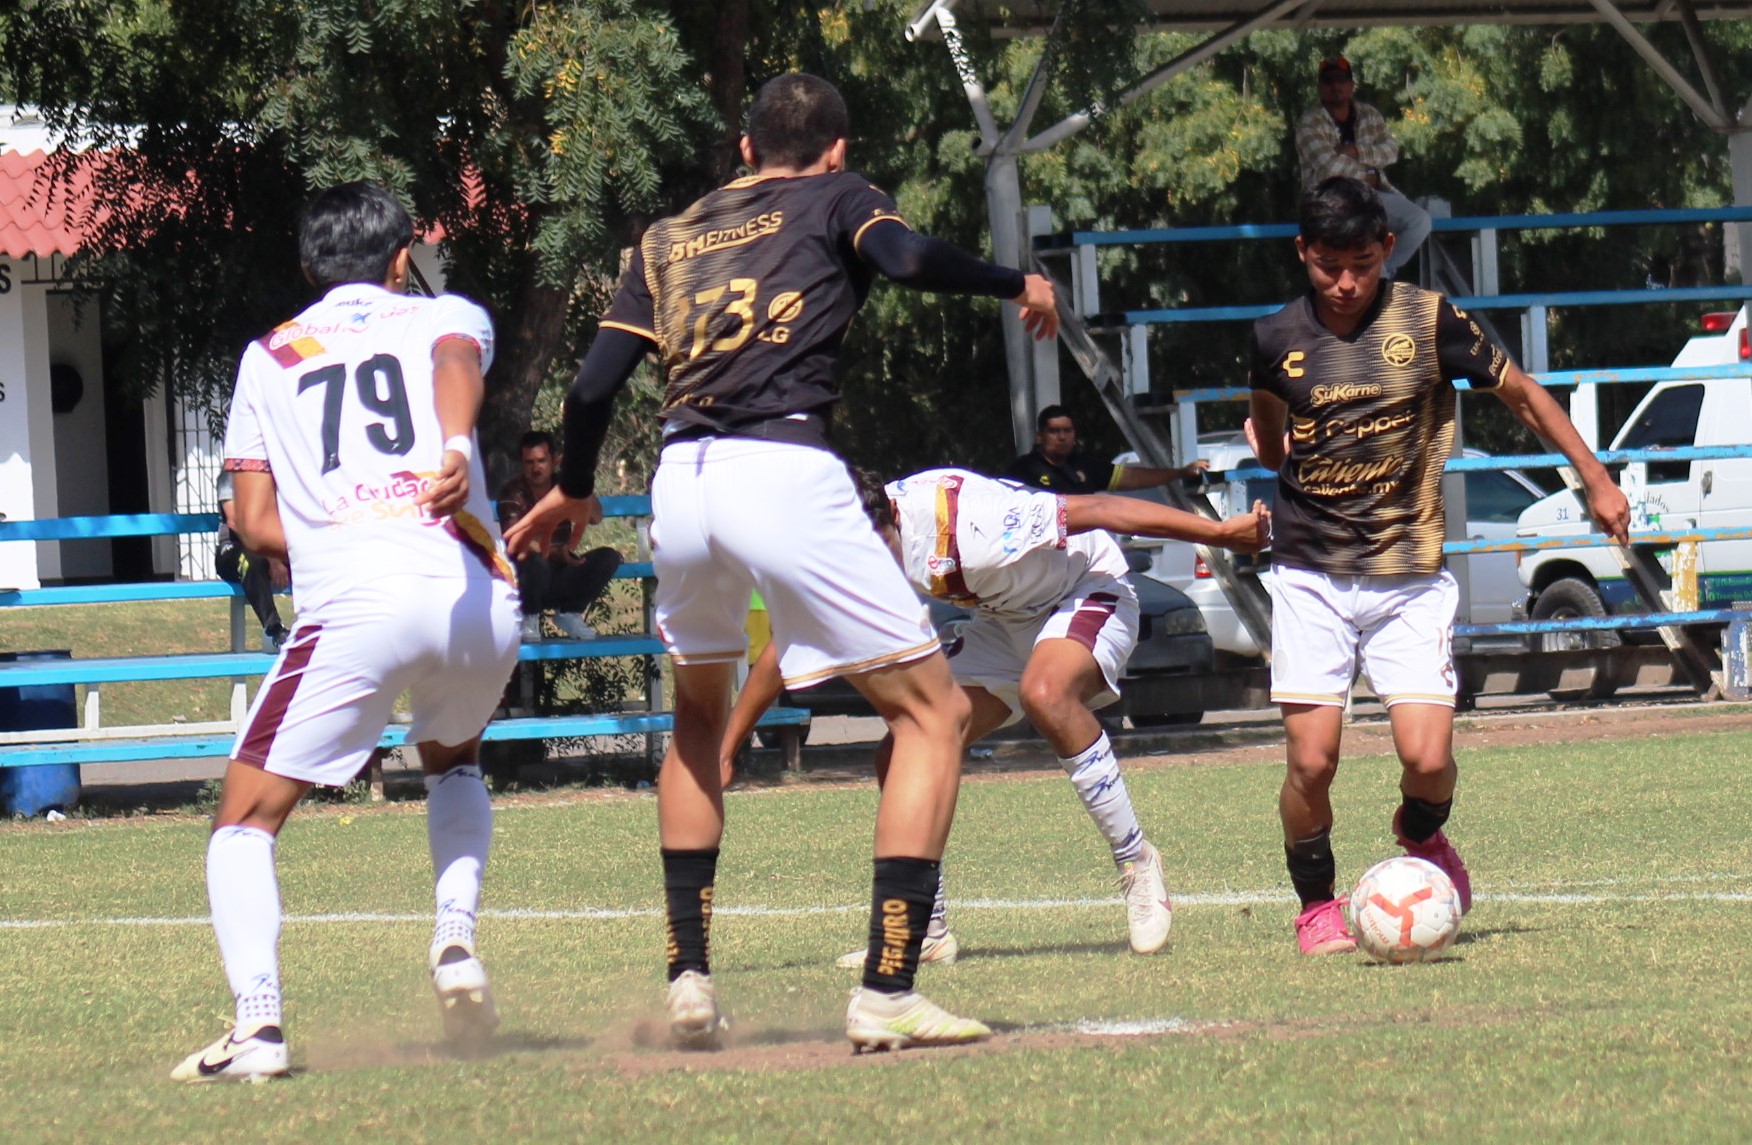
{"x":1404,"y":910}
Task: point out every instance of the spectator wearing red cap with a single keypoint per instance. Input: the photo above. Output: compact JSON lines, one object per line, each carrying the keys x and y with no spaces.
{"x":1344,"y":136}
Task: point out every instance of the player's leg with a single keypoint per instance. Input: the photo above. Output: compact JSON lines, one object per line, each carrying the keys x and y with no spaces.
{"x":703,"y":588}
{"x":243,"y":893}
{"x":1314,"y":647}
{"x":928,"y":717}
{"x":458,"y":643}
{"x":840,"y":606}
{"x":459,"y":833}
{"x":1409,"y":658}
{"x":988,"y":713}
{"x":1074,"y":667}
{"x":690,"y":819}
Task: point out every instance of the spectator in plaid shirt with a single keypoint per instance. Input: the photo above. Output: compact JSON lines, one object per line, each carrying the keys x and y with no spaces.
{"x":1344,"y":136}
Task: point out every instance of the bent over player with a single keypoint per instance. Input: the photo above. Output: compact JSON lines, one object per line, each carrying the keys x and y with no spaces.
{"x":351,"y":444}
{"x":1362,"y":369}
{"x":746,"y":296}
{"x":1055,"y":618}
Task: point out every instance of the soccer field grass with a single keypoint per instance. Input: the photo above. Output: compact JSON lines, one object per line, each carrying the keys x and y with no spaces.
{"x":1598,"y":992}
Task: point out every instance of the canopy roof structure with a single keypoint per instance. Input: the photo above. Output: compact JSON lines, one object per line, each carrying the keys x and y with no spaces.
{"x":1024,"y":17}
{"x":1225,"y":23}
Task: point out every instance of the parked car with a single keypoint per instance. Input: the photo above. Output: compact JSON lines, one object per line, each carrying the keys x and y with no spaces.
{"x":1664,"y":495}
{"x":1495,"y":500}
{"x":1172,"y":647}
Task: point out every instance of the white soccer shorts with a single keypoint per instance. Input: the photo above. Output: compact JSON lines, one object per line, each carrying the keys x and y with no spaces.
{"x":450,"y":643}
{"x":733,"y":515}
{"x":991,"y":650}
{"x":1399,"y":626}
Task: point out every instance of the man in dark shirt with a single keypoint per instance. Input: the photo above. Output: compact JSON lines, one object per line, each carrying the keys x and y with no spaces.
{"x":1054,"y":462}
{"x":1364,"y":371}
{"x":558,"y":579}
{"x":745,"y":297}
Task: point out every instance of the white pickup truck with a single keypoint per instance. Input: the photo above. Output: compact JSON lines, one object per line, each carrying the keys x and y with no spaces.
{"x":1664,"y":495}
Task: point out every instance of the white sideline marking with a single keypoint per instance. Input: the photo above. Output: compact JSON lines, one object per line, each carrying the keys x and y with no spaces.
{"x":611,"y":914}
{"x":1141,"y":1028}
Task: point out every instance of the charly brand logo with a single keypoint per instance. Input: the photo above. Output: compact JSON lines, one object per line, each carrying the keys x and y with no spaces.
{"x":1292,"y":364}
{"x":1399,"y":350}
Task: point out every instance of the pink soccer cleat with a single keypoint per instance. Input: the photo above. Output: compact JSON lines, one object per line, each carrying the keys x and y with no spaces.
{"x":1438,"y":850}
{"x":1321,"y":930}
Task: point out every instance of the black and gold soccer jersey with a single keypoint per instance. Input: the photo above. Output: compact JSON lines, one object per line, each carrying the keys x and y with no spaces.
{"x":748,"y":294}
{"x":1371,"y":423}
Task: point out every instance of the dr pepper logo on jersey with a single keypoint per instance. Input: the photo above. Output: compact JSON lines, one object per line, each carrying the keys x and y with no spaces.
{"x":1399,"y":350}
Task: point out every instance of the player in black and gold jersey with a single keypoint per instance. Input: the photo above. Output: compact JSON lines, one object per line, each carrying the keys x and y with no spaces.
{"x":745,"y":297}
{"x":1361,"y":373}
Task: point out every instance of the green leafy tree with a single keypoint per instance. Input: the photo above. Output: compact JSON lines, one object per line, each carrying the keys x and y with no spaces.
{"x":532,"y":137}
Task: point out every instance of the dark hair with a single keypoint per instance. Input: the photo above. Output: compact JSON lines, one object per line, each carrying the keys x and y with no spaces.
{"x":1051,"y":413}
{"x":534,"y":438}
{"x":1343,"y":213}
{"x":351,"y":233}
{"x":795,"y":119}
{"x":873,"y":496}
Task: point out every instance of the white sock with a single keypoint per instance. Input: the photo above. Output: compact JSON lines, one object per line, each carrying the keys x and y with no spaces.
{"x":939,"y":924}
{"x":459,"y":826}
{"x":244,"y":893}
{"x":1095,"y":774}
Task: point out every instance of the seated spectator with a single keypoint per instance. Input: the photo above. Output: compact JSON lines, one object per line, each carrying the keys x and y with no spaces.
{"x":559,"y":579}
{"x":1055,"y":464}
{"x":260,"y":577}
{"x":1345,"y":136}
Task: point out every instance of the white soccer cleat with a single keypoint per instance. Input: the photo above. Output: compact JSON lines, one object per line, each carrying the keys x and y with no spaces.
{"x":255,"y":1054}
{"x":465,"y":1000}
{"x":878,"y":1021}
{"x":694,"y":1021}
{"x":941,"y":948}
{"x":1148,"y":913}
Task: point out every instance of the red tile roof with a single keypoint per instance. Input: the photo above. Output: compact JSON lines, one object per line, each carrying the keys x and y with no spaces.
{"x":37,"y":217}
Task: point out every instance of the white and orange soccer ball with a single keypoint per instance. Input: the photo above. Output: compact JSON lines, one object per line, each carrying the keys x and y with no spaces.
{"x":1404,"y":910}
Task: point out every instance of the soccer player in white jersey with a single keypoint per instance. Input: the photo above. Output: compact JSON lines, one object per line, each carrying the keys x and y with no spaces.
{"x":351,"y":443}
{"x":1055,"y":619}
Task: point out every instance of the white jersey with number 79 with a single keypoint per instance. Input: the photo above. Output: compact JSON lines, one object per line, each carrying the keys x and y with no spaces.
{"x":338,"y":405}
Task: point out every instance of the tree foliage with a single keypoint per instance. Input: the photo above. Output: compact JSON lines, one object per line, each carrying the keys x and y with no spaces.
{"x":540,"y":136}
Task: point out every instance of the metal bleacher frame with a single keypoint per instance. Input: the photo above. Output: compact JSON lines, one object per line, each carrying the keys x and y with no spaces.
{"x":1110,"y":348}
{"x":91,"y":742}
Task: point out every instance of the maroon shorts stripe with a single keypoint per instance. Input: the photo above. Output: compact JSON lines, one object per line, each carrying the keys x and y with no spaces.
{"x":1091,"y":616}
{"x":258,"y":740}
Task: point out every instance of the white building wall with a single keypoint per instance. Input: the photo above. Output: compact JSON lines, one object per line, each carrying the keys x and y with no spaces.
{"x":20,"y":309}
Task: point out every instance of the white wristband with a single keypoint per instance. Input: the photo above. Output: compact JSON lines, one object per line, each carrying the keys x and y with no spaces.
{"x":462,"y":443}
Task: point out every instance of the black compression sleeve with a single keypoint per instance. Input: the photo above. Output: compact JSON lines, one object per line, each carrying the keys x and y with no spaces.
{"x":606,"y":367}
{"x":925,"y":263}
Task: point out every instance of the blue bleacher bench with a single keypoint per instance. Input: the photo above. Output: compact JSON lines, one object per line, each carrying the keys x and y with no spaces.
{"x":91,"y":744}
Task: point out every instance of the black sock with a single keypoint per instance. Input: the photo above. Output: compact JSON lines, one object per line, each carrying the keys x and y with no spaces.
{"x":1419,"y":819}
{"x":1312,"y":870}
{"x":687,"y":885}
{"x":900,"y":910}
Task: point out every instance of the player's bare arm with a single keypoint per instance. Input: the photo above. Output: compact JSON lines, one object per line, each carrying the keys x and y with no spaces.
{"x":1265,"y":429}
{"x":1244,"y":534}
{"x":457,"y":390}
{"x":1540,"y":413}
{"x":534,"y":531}
{"x":256,"y":514}
{"x":759,"y":692}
